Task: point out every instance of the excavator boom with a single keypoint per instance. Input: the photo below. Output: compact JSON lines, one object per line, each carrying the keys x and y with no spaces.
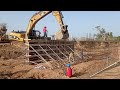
{"x":35,"y":18}
{"x":62,"y":34}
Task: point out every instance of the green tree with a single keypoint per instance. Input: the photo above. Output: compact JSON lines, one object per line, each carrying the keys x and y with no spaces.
{"x":111,"y":35}
{"x":103,"y":34}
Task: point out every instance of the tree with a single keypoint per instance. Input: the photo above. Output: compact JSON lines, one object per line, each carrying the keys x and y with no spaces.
{"x":103,"y":34}
{"x":3,"y":29}
{"x":111,"y":35}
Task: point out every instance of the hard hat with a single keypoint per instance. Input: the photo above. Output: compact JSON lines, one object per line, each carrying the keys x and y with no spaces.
{"x":68,"y":65}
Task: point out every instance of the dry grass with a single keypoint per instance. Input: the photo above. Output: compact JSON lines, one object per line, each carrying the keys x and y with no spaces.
{"x":10,"y":52}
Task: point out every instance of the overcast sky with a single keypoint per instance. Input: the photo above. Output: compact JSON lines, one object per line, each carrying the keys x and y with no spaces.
{"x":79,"y":22}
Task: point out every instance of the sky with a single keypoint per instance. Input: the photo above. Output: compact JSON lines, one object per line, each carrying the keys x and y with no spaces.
{"x":79,"y":22}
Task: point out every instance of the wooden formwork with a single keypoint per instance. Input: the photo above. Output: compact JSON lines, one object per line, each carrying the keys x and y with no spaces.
{"x":49,"y":48}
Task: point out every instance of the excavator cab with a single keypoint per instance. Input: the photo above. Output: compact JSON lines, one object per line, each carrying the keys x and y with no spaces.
{"x":35,"y":34}
{"x":19,"y":35}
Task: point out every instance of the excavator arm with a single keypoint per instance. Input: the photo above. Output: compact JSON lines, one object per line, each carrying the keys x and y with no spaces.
{"x":62,"y":34}
{"x":35,"y":18}
{"x":59,"y":19}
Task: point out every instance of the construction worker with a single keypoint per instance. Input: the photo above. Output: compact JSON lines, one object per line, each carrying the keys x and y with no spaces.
{"x":45,"y":31}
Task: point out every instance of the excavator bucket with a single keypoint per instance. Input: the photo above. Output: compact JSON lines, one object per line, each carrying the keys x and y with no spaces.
{"x":61,"y":35}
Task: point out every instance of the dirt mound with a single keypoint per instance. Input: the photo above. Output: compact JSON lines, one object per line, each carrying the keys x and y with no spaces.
{"x":12,"y":69}
{"x":10,"y":52}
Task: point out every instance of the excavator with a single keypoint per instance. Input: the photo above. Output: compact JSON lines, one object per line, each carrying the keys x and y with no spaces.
{"x":30,"y":33}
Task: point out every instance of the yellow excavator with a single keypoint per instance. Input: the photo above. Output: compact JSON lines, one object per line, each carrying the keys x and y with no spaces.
{"x":31,"y":34}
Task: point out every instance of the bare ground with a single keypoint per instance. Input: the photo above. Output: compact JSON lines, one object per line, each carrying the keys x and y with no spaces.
{"x":12,"y":69}
{"x":14,"y":66}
